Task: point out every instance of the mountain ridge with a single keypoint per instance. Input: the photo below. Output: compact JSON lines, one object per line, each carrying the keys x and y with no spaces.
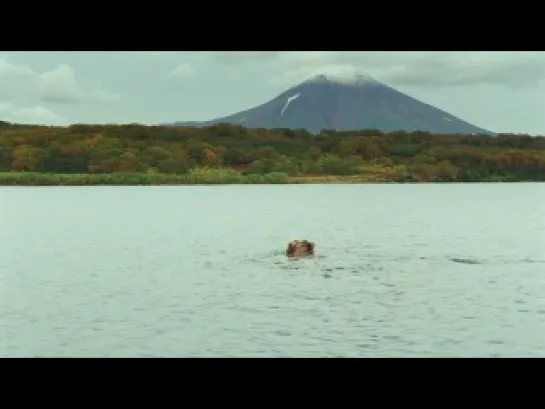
{"x":345,"y":101}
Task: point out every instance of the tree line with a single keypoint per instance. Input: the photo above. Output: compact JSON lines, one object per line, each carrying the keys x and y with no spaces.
{"x":372,"y":154}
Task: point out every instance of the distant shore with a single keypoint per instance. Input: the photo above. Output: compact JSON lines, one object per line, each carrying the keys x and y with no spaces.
{"x":204,"y":178}
{"x":223,"y":154}
{"x":194,"y":178}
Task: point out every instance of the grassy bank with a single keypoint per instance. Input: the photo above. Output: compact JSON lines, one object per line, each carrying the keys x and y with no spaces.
{"x":193,"y":177}
{"x":208,"y":176}
{"x":137,"y":179}
{"x":134,"y":154}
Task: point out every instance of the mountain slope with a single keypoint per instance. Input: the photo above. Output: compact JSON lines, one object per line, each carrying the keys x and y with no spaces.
{"x":355,"y":102}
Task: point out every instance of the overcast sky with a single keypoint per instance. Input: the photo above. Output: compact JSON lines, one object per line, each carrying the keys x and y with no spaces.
{"x":499,"y":91}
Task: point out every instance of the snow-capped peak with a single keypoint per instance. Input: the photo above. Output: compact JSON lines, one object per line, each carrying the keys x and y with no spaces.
{"x":343,"y":75}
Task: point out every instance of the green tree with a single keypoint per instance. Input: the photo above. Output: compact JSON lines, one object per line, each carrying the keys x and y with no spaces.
{"x":333,"y":165}
{"x":236,"y":157}
{"x":265,"y":152}
{"x":178,"y":162}
{"x":129,"y":162}
{"x":260,"y":166}
{"x":27,"y":158}
{"x":283,"y":164}
{"x":6,"y":158}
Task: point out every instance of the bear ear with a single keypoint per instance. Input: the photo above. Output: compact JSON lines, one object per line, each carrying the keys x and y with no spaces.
{"x":291,"y":248}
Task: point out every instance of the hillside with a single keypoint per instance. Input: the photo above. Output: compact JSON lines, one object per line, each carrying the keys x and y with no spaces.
{"x":343,"y":104}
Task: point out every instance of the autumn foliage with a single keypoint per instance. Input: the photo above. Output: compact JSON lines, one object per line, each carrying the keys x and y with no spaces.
{"x":164,"y":150}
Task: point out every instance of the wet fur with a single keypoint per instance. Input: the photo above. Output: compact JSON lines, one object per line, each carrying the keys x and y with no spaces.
{"x":300,"y":248}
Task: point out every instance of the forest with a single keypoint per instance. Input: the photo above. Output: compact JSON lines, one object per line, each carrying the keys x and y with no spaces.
{"x":85,"y":154}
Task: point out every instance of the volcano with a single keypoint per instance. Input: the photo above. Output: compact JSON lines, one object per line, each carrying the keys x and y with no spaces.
{"x":345,"y":103}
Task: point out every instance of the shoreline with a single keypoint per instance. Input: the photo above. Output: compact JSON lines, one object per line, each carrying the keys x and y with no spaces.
{"x":28,"y":179}
{"x":136,"y":155}
{"x":223,"y":154}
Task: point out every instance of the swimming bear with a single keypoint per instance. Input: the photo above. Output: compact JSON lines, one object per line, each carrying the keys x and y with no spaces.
{"x":300,"y":248}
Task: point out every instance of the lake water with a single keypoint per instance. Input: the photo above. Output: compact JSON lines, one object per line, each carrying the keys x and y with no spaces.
{"x":401,"y":271}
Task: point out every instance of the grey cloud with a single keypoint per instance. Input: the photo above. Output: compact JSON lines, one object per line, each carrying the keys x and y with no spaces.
{"x":60,"y":86}
{"x":153,"y":54}
{"x":17,"y":82}
{"x":21,"y":83}
{"x":478,"y":68}
{"x":238,"y":57}
{"x":429,"y":69}
{"x":182,"y":70}
{"x":36,"y":114}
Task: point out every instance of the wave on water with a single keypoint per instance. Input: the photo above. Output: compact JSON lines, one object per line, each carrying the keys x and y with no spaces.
{"x":372,"y":262}
{"x":465,"y":260}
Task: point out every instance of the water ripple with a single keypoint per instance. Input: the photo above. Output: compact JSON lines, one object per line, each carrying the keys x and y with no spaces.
{"x":172,"y":273}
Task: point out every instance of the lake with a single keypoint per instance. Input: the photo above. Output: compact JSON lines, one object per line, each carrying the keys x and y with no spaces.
{"x":424,"y":270}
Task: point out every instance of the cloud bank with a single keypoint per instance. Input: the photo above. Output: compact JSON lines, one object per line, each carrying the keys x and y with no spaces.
{"x":24,"y":90}
{"x":36,"y":114}
{"x":423,"y":69}
{"x":182,"y":70}
{"x":56,"y":86}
